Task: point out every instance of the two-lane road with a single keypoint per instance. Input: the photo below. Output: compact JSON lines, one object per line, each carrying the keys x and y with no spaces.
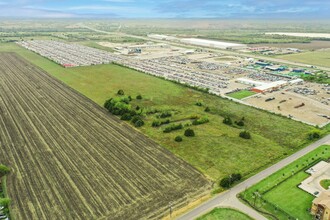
{"x":229,"y":199}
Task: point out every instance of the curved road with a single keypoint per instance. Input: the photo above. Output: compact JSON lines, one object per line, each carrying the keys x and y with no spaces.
{"x":229,"y":199}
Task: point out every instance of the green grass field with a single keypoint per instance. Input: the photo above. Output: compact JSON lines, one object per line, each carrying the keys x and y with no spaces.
{"x":317,"y":58}
{"x":282,"y":194}
{"x":325,"y":183}
{"x":224,"y":213}
{"x":241,"y":94}
{"x":216,"y":150}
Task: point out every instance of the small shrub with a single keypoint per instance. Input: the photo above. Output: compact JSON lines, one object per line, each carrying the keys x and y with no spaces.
{"x":200,"y":121}
{"x":227,"y":121}
{"x":225,"y":182}
{"x":199,"y":104}
{"x":189,"y":133}
{"x":155,"y":124}
{"x":173,"y":127}
{"x":126,"y":117}
{"x":139,"y":97}
{"x":240,"y":123}
{"x":178,"y":139}
{"x":136,"y":118}
{"x":165,"y":115}
{"x":120,"y":92}
{"x":245,"y":135}
{"x":207,"y":109}
{"x":139,"y":123}
{"x":314,"y":134}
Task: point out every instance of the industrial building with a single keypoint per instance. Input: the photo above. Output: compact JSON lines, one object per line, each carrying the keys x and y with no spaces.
{"x":270,"y":86}
{"x":212,"y":43}
{"x":321,"y":206}
{"x":162,"y":37}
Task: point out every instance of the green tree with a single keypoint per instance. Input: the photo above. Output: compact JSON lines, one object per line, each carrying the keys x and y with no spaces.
{"x":189,"y":132}
{"x":227,"y":121}
{"x":207,"y":109}
{"x":126,"y":117}
{"x":225,"y":182}
{"x":139,"y":123}
{"x":245,"y":134}
{"x":314,"y":134}
{"x":139,"y":97}
{"x":178,"y":139}
{"x":120,"y":92}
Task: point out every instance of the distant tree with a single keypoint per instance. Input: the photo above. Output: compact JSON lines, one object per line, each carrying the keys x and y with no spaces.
{"x":189,"y":133}
{"x":132,"y":113}
{"x":225,"y":182}
{"x":135,"y":119}
{"x":139,"y":123}
{"x":137,"y":108}
{"x":178,"y":139}
{"x":240,"y":123}
{"x":4,"y":170}
{"x":207,"y":109}
{"x":139,"y":97}
{"x":245,"y":135}
{"x":129,"y":98}
{"x":236,"y":177}
{"x":199,"y":103}
{"x":155,"y":124}
{"x":120,"y":92}
{"x":314,"y":134}
{"x":227,"y":121}
{"x":126,"y":117}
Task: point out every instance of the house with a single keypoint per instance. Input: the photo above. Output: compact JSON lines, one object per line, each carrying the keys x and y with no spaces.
{"x":321,"y":206}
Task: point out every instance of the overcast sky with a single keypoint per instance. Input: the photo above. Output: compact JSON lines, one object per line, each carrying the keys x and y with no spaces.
{"x":167,"y":8}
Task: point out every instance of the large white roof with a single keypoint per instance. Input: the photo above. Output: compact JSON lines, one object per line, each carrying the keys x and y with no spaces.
{"x":211,"y":43}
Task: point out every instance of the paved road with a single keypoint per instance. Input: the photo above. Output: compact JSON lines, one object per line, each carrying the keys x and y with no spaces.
{"x":229,"y":199}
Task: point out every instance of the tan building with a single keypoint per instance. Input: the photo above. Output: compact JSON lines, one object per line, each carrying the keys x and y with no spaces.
{"x":321,"y":206}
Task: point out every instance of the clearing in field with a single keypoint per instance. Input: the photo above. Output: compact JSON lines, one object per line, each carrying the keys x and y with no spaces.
{"x":317,"y":58}
{"x":70,"y":159}
{"x":279,"y":194}
{"x":241,"y":94}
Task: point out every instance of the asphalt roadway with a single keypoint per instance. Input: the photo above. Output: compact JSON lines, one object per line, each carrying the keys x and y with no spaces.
{"x":229,"y":198}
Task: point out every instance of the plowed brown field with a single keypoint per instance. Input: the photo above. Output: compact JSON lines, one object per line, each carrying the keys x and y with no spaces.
{"x":70,"y":159}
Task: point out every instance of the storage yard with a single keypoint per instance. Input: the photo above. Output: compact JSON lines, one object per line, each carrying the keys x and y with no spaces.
{"x":202,"y":69}
{"x":70,"y":159}
{"x":68,"y":55}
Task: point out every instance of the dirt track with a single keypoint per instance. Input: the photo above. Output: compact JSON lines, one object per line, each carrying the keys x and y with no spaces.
{"x":70,"y":159}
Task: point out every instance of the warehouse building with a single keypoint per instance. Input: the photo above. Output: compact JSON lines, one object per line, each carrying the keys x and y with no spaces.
{"x":270,"y":86}
{"x":212,"y":43}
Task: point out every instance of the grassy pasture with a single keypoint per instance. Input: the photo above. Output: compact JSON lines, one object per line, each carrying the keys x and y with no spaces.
{"x":224,"y":213}
{"x":241,"y":94}
{"x":317,"y":58}
{"x":216,"y":150}
{"x":283,"y":198}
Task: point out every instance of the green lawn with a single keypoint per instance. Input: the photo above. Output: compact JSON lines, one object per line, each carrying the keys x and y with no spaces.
{"x":216,"y":150}
{"x":325,"y":183}
{"x":225,"y":214}
{"x":285,"y":195}
{"x":317,"y":58}
{"x":241,"y":94}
